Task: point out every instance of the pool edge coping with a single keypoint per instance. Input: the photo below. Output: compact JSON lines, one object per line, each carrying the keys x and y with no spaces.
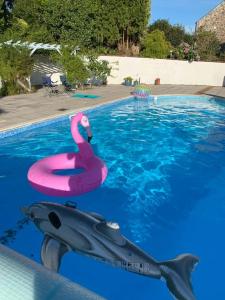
{"x":6,"y":131}
{"x":53,"y":118}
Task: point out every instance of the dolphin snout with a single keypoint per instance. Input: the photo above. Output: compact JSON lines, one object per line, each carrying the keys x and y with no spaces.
{"x":25,"y":210}
{"x":28,"y":212}
{"x":34,"y":211}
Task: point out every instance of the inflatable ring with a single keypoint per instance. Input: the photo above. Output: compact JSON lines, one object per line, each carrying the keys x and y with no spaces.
{"x":42,"y":174}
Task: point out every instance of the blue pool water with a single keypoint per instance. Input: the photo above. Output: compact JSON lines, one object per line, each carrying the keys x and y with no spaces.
{"x":166,"y":188}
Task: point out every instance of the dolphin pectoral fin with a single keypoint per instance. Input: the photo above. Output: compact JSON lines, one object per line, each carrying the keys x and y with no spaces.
{"x":177,"y":274}
{"x":52,"y":252}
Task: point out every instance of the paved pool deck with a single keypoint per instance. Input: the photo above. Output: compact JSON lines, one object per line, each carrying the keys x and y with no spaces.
{"x":17,"y":111}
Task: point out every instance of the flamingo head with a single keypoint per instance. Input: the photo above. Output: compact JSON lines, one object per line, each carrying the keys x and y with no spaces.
{"x":85,"y":123}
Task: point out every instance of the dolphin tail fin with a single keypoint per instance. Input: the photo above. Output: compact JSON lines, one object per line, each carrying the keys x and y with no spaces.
{"x":177,"y":274}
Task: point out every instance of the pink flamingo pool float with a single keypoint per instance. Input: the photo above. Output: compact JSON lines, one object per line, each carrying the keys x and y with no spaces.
{"x":42,"y":175}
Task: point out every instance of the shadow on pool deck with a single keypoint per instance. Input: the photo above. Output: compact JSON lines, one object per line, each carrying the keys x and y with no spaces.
{"x":2,"y":111}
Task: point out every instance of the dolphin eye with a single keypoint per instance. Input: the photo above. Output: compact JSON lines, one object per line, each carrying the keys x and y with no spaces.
{"x":54,"y":220}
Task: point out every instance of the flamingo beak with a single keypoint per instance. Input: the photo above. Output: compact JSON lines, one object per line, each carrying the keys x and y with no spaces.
{"x":89,"y":133}
{"x":86,"y":125}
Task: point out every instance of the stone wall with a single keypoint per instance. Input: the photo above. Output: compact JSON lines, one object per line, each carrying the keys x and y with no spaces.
{"x":214,"y":21}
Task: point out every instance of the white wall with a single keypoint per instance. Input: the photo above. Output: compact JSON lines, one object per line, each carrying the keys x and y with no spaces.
{"x":147,"y":69}
{"x":169,"y":71}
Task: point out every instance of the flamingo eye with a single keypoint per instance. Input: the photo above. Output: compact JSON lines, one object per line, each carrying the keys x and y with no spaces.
{"x":54,"y":220}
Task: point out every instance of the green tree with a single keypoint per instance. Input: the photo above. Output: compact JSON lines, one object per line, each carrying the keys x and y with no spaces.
{"x":6,"y":9}
{"x":91,"y":24}
{"x":207,"y":45}
{"x":27,"y":23}
{"x":155,"y":45}
{"x":132,"y":21}
{"x":175,"y":34}
{"x":105,"y":30}
{"x":16,"y":66}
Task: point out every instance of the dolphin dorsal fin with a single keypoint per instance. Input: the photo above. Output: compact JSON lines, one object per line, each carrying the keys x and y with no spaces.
{"x":111,"y":233}
{"x":97,"y":216}
{"x":52,"y":252}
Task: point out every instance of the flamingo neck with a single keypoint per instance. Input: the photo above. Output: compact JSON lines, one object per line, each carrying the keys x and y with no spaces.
{"x":85,"y":148}
{"x":75,"y":131}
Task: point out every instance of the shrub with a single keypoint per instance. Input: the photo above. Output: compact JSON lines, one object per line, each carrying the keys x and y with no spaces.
{"x":186,"y":51}
{"x":15,"y":66}
{"x":129,"y":78}
{"x":155,"y":45}
{"x":78,"y":68}
{"x":98,"y":69}
{"x":74,"y":66}
{"x":207,"y":45}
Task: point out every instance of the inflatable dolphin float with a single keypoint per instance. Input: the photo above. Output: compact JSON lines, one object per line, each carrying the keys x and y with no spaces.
{"x":68,"y":229}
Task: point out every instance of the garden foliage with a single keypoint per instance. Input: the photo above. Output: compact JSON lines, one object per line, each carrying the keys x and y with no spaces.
{"x":16,"y":66}
{"x":81,"y":67}
{"x":93,"y":24}
{"x":155,"y":45}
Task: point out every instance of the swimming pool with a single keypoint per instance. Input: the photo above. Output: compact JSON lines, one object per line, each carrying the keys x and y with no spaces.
{"x":165,"y":188}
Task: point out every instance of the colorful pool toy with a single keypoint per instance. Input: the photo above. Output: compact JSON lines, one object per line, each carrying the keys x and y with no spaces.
{"x":42,"y":174}
{"x":142,"y":91}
